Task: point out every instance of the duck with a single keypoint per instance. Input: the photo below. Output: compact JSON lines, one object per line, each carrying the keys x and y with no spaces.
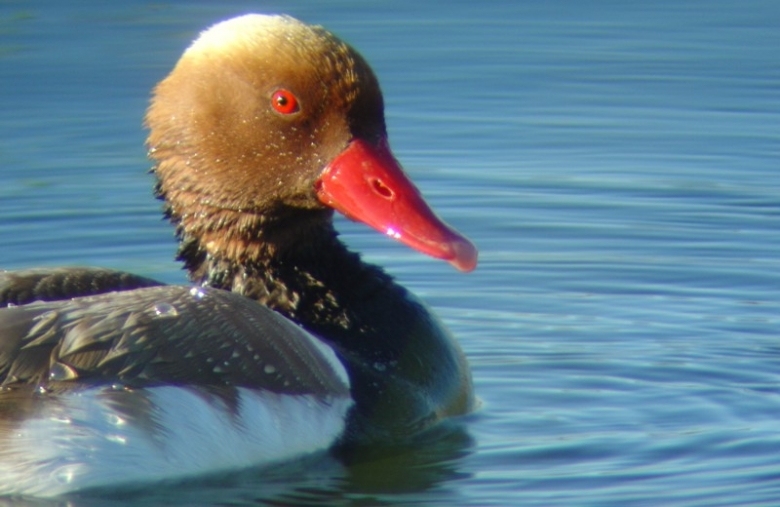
{"x":284,"y":343}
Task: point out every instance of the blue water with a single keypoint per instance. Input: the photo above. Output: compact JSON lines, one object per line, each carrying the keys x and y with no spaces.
{"x":617,"y":163}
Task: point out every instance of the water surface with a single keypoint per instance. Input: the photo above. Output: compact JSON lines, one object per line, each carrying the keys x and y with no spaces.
{"x":616,"y":163}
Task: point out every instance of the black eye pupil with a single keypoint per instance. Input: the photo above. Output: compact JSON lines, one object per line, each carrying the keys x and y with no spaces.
{"x":284,"y":102}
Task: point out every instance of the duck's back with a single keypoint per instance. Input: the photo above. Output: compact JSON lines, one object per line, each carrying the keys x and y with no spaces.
{"x":54,"y":284}
{"x":158,"y":382}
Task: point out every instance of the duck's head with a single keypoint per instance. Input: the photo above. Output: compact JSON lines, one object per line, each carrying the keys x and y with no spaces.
{"x":266,"y":120}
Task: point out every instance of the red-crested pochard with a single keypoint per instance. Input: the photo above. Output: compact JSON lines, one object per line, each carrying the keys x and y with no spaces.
{"x":287,"y":343}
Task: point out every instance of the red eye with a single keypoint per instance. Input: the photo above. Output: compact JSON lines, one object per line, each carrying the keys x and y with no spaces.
{"x":284,"y":102}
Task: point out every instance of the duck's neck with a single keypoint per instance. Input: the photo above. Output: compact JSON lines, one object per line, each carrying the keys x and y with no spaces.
{"x":297,"y":267}
{"x":405,"y":370}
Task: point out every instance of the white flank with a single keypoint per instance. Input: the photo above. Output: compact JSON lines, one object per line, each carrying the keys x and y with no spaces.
{"x":81,"y":440}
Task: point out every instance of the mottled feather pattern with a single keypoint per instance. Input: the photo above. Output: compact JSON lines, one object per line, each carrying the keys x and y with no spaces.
{"x":162,"y":335}
{"x":157,"y":382}
{"x":52,"y":284}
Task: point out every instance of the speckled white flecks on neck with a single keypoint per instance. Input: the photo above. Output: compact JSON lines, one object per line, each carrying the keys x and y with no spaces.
{"x":82,"y":440}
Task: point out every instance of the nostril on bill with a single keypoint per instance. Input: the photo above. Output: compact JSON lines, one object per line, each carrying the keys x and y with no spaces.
{"x":381,"y":189}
